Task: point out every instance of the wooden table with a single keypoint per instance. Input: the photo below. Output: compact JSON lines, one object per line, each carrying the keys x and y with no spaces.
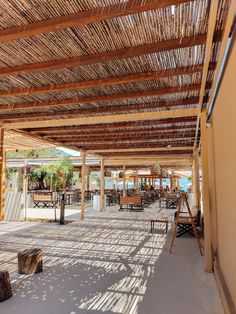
{"x":161,"y":220}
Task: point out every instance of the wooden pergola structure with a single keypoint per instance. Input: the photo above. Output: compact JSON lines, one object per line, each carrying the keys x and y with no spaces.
{"x":128,"y":81}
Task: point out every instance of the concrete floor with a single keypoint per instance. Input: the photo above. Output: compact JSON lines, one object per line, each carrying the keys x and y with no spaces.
{"x":108,"y":263}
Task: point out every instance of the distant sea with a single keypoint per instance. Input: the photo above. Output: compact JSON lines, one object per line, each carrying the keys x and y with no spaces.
{"x":183,"y":182}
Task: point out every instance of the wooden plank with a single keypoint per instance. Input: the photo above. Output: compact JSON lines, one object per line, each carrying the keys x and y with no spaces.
{"x":99,"y":110}
{"x":131,"y":78}
{"x":124,"y":53}
{"x":104,"y":119}
{"x":118,"y":132}
{"x":154,"y":149}
{"x":209,"y":45}
{"x":124,"y":181}
{"x":205,"y":195}
{"x":115,"y":126}
{"x":142,"y":144}
{"x":2,"y":174}
{"x":84,"y":18}
{"x":116,"y":136}
{"x":104,"y":98}
{"x":131,"y":139}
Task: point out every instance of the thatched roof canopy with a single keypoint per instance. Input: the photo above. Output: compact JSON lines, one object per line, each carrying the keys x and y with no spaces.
{"x":118,"y":75}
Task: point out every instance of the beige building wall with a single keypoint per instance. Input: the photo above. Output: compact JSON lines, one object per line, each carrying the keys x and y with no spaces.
{"x":222,"y":176}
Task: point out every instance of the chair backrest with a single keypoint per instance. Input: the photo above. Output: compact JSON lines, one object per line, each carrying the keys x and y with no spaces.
{"x":130,"y":200}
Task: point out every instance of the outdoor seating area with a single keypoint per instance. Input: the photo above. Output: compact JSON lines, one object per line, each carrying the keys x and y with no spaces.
{"x":117,"y":156}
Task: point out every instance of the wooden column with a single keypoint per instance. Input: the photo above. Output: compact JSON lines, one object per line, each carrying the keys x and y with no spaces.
{"x":102,"y":186}
{"x":25,"y":188}
{"x":136,"y":180}
{"x":171,"y":182}
{"x":88,"y":179}
{"x":205,"y":195}
{"x":124,"y":179}
{"x":2,"y":174}
{"x":83,"y":155}
{"x":196,"y":188}
{"x":161,"y":181}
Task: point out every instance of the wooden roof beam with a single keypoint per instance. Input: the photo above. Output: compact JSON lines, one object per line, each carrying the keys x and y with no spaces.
{"x":123,"y":53}
{"x":152,"y":149}
{"x":105,"y":98}
{"x":100,"y":110}
{"x":128,"y":136}
{"x":84,"y":18}
{"x":131,"y":78}
{"x":110,"y":126}
{"x":103,"y":119}
{"x":146,"y":132}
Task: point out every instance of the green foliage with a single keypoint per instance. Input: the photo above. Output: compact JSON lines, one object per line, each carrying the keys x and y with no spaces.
{"x":10,"y":172}
{"x":33,"y":153}
{"x":57,"y":176}
{"x":144,"y":186}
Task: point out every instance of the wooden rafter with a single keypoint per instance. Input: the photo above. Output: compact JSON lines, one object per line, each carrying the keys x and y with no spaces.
{"x":84,"y":17}
{"x":101,"y":110}
{"x":103,"y":119}
{"x":115,"y":126}
{"x":123,"y":53}
{"x":151,"y":149}
{"x":209,"y":44}
{"x":131,"y":78}
{"x":115,"y":134}
{"x":105,"y":98}
{"x":129,"y":136}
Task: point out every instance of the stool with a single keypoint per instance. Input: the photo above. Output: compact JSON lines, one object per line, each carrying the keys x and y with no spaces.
{"x":161,"y":220}
{"x":5,"y":286}
{"x":30,"y":261}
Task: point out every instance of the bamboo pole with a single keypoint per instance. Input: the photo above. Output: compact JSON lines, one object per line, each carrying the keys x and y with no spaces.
{"x":102,"y":186}
{"x":2,"y":174}
{"x":83,"y":155}
{"x":124,"y":180}
{"x":205,"y":195}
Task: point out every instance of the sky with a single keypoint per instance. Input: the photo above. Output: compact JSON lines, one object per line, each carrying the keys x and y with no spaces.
{"x":69,"y":151}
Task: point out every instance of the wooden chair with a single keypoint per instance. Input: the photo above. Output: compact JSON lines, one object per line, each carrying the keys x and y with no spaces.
{"x":184,"y":224}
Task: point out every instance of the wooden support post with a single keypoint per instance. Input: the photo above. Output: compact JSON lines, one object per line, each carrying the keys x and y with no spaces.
{"x":124,"y":180}
{"x":2,"y":174}
{"x":102,"y":187}
{"x":88,"y":179}
{"x":160,"y":181}
{"x":205,"y":195}
{"x":196,"y":188}
{"x":25,"y":188}
{"x":171,"y":181}
{"x":136,"y":180}
{"x":83,"y":155}
{"x":149,"y":182}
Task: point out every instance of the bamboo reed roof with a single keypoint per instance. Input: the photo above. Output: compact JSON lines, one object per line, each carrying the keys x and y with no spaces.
{"x":14,"y":141}
{"x":67,"y":65}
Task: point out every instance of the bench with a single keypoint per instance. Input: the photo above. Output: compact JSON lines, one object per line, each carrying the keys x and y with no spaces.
{"x":131,"y":203}
{"x":45,"y":200}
